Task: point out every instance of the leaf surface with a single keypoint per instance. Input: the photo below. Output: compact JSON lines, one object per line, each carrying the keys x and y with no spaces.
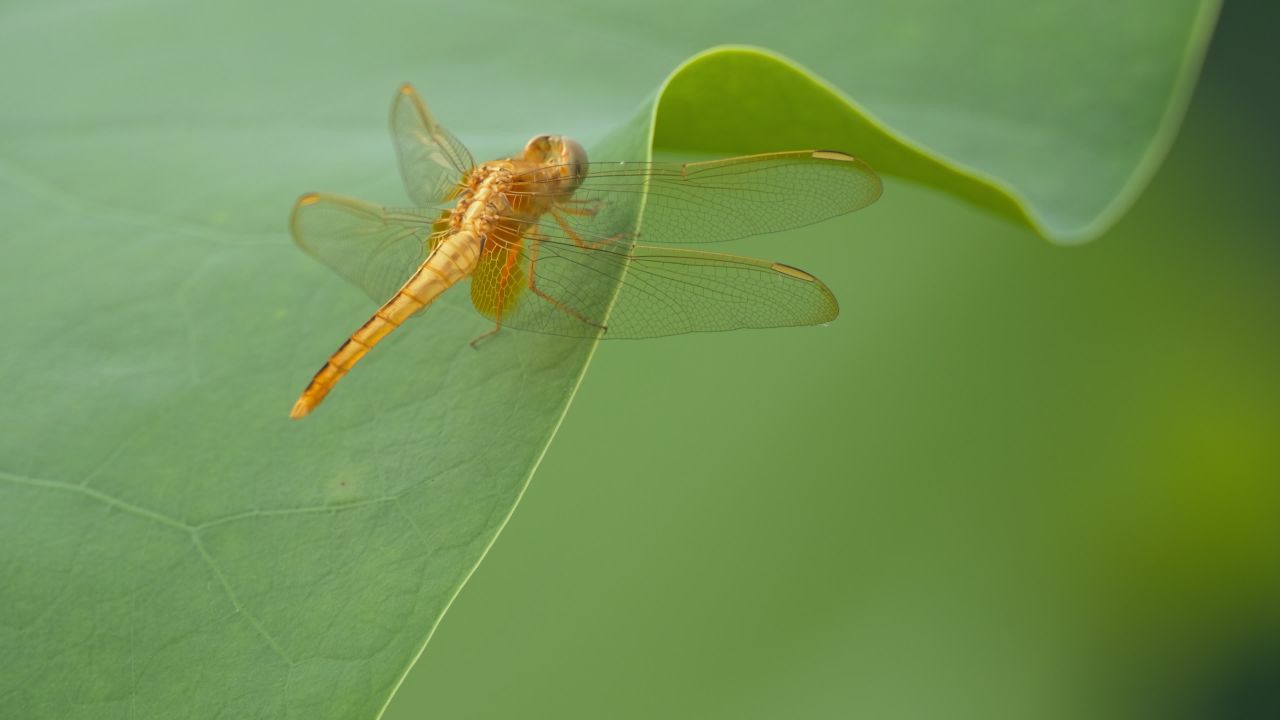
{"x":172,"y":544}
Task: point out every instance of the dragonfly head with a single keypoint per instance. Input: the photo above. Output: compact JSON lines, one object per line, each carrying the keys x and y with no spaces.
{"x":563,"y":162}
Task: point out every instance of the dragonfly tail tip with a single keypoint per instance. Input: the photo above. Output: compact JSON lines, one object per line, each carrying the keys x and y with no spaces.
{"x":301,"y":409}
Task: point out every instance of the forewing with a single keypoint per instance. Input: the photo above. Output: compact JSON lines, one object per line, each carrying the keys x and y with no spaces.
{"x":660,"y":291}
{"x":373,"y":247}
{"x":718,"y":200}
{"x":433,"y":162}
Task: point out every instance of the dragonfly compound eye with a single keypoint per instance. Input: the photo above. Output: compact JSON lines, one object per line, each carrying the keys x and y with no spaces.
{"x":573,"y":163}
{"x":538,"y":148}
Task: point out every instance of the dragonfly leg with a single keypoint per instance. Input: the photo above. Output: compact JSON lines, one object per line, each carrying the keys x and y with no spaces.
{"x":475,"y":342}
{"x":576,"y":238}
{"x":581,"y":207}
{"x":536,"y":242}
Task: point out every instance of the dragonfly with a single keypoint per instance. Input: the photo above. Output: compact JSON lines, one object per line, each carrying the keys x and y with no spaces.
{"x":551,"y":242}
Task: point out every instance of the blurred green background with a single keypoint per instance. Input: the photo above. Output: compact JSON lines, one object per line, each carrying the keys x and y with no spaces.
{"x":1012,"y":480}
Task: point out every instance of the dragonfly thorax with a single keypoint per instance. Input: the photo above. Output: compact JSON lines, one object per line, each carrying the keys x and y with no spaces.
{"x":484,"y":201}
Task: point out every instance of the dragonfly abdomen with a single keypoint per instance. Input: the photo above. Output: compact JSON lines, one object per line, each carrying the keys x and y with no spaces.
{"x":451,"y":261}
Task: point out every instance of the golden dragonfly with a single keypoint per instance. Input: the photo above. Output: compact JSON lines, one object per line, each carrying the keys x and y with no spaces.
{"x":548,"y":239}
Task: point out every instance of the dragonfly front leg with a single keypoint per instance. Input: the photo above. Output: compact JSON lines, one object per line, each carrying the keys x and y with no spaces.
{"x":535,"y":241}
{"x":581,"y":207}
{"x":559,"y":213}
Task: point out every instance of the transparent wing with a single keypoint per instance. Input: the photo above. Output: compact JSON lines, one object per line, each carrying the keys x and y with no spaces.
{"x":566,"y":289}
{"x":713,"y":201}
{"x":373,"y":247}
{"x":432,"y":161}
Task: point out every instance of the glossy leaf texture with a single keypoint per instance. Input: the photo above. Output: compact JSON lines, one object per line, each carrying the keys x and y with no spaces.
{"x":171,"y":544}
